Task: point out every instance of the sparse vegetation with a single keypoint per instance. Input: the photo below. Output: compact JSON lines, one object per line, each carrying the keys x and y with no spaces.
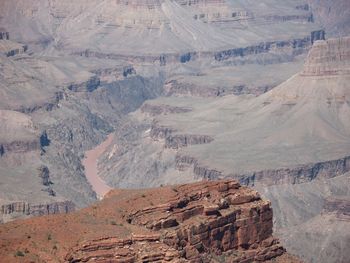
{"x":49,"y":237}
{"x":19,"y":254}
{"x":113,"y":223}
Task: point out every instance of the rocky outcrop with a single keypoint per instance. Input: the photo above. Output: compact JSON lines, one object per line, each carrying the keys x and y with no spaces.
{"x":296,"y":175}
{"x":86,"y":86}
{"x":159,"y":132}
{"x":19,"y":147}
{"x":128,"y":70}
{"x":4,"y":34}
{"x":340,"y":205}
{"x":183,"y":162}
{"x":283,"y":18}
{"x":176,"y":87}
{"x":10,"y":48}
{"x":329,"y":57}
{"x":170,"y":58}
{"x":267,"y":46}
{"x":154,"y":110}
{"x":176,"y":141}
{"x":44,"y":174}
{"x":28,"y":209}
{"x":49,"y":105}
{"x":17,"y":51}
{"x":182,"y":140}
{"x":202,"y":222}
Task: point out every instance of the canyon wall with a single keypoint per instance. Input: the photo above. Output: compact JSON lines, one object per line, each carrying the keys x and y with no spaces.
{"x":21,"y":209}
{"x":208,"y":221}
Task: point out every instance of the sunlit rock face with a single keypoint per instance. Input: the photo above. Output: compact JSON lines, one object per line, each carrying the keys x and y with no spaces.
{"x":217,"y":221}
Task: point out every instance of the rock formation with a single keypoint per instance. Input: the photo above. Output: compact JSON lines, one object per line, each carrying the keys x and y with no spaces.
{"x":296,"y":134}
{"x":330,"y":57}
{"x":71,"y":71}
{"x":23,"y":209}
{"x":4,"y":34}
{"x":218,"y":221}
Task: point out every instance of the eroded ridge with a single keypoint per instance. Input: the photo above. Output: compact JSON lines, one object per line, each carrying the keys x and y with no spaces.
{"x":200,"y":222}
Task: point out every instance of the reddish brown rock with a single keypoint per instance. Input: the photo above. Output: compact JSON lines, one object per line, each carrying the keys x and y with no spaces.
{"x":209,"y":221}
{"x":199,"y":222}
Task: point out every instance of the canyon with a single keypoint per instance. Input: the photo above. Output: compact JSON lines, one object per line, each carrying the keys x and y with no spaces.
{"x":102,"y":95}
{"x":91,"y":169}
{"x":202,"y":222}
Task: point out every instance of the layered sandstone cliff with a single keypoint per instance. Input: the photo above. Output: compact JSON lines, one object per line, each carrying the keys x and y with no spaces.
{"x":218,"y":221}
{"x":207,"y":221}
{"x":331,"y":57}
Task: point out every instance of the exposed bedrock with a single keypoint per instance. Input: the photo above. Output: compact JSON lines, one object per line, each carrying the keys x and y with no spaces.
{"x":159,"y":132}
{"x":4,"y":34}
{"x":340,"y":205}
{"x":267,"y":46}
{"x":293,"y":46}
{"x":176,"y":87}
{"x":49,"y":105}
{"x":201,"y":222}
{"x":8,"y":47}
{"x":16,"y":51}
{"x":21,"y":208}
{"x":331,"y":57}
{"x":154,"y":110}
{"x":19,"y":147}
{"x":87,"y":86}
{"x":182,"y":140}
{"x":296,"y":175}
{"x":176,"y":141}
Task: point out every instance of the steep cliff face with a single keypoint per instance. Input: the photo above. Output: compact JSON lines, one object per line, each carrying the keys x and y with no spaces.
{"x":217,"y":221}
{"x":11,"y":211}
{"x":4,"y":34}
{"x":10,"y":48}
{"x":330,"y":57}
{"x":244,"y":131}
{"x":18,"y":133}
{"x":208,"y":221}
{"x":172,"y":31}
{"x":154,"y":110}
{"x":293,"y":135}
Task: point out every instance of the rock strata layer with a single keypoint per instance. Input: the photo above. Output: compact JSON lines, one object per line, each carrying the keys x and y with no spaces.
{"x":200,"y":222}
{"x":22,"y":209}
{"x":331,"y":57}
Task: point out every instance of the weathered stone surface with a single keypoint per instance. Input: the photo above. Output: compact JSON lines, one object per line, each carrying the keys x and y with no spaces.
{"x":201,"y":221}
{"x":296,"y":175}
{"x":176,"y":141}
{"x":154,"y":110}
{"x":87,"y":86}
{"x":4,"y":34}
{"x":331,"y":57}
{"x":37,"y":209}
